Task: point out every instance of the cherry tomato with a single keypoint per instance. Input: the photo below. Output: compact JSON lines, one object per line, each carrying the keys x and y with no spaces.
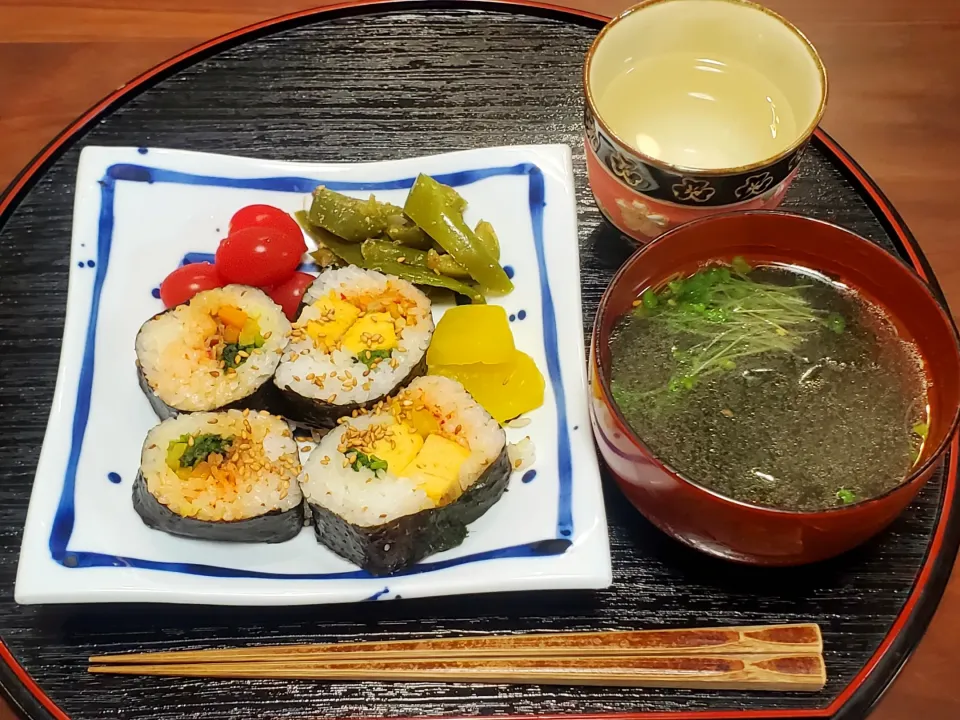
{"x":186,"y":281}
{"x":266,"y":216}
{"x":288,"y":294}
{"x":259,"y":256}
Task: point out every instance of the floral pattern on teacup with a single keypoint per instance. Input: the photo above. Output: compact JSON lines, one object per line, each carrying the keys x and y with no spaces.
{"x":634,"y":175}
{"x":691,"y":189}
{"x":662,"y":183}
{"x":639,"y":218}
{"x":754,"y":185}
{"x":590,"y":129}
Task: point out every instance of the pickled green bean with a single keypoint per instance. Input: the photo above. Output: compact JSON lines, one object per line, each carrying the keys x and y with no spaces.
{"x":488,"y":238}
{"x":445,"y":264}
{"x":403,"y":230}
{"x":423,"y":276}
{"x":432,"y":207}
{"x":348,"y":252}
{"x":386,"y":251}
{"x":348,"y":218}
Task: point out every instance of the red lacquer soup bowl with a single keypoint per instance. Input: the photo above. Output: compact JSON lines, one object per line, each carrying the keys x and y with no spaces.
{"x":729,"y":528}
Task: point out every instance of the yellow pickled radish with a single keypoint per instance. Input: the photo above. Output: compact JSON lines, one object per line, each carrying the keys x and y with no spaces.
{"x":505,"y":390}
{"x":469,"y":334}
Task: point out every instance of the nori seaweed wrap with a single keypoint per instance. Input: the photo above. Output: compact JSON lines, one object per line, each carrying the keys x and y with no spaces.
{"x":388,"y":488}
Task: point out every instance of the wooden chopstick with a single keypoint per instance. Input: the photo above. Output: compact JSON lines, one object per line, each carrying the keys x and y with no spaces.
{"x":788,"y":672}
{"x":797,"y":639}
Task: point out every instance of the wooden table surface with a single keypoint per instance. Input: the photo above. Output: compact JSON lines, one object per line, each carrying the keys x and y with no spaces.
{"x":894,"y":102}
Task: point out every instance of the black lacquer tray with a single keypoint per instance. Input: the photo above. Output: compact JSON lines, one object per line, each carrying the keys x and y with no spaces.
{"x":374,"y":81}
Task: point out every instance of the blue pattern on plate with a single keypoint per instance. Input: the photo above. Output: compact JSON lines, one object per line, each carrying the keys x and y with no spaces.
{"x":64,"y":519}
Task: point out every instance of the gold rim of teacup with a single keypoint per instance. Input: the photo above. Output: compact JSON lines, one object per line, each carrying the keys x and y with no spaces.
{"x":714,"y":172}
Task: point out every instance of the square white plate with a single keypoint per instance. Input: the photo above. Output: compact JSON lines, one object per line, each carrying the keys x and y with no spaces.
{"x":138,"y":214}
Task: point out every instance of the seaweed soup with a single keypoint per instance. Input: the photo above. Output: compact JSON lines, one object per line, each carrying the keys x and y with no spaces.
{"x":771,"y":385}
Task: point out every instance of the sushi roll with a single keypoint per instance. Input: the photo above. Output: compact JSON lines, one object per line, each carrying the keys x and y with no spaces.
{"x":218,"y":351}
{"x":360,"y":335}
{"x":388,"y":488}
{"x":228,"y":476}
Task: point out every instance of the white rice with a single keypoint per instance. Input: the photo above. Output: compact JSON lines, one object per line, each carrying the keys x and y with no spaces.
{"x":522,"y":454}
{"x":173,"y":350}
{"x":337,"y":377}
{"x":366,"y":498}
{"x":272,"y":485}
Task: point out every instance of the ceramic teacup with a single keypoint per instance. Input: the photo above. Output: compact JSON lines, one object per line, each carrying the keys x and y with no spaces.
{"x":694,"y":107}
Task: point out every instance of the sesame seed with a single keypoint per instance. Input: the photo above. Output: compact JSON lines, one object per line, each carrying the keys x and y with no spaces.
{"x":296,"y":378}
{"x":215,"y":373}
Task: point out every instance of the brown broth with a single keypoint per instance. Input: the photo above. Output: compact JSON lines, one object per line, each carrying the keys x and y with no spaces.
{"x":783,"y":429}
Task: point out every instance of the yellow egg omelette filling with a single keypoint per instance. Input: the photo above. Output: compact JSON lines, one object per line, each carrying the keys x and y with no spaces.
{"x":368,"y":326}
{"x":412,"y":445}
